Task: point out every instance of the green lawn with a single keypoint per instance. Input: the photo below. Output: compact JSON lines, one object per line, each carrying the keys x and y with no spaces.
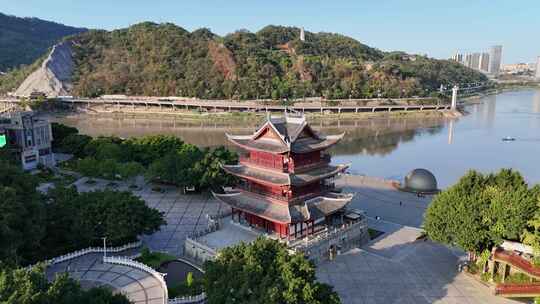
{"x":154,"y":259}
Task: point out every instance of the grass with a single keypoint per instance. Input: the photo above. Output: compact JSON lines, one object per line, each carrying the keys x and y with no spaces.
{"x":517,"y":278}
{"x":154,"y":259}
{"x":182,"y":289}
{"x":373,"y":234}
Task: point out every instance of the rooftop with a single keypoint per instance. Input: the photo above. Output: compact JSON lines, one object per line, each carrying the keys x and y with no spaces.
{"x":312,"y":209}
{"x":280,"y":178}
{"x":229,"y":234}
{"x":288,"y":133}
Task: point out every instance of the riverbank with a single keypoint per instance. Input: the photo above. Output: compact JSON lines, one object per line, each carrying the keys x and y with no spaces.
{"x":197,"y":117}
{"x":502,"y":88}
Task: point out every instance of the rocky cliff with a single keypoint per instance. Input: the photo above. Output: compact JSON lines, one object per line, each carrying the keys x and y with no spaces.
{"x":54,"y":76}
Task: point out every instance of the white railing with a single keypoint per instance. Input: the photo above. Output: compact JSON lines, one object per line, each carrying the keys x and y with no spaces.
{"x":325,"y":235}
{"x":76,"y":254}
{"x":201,"y":298}
{"x":131,"y":263}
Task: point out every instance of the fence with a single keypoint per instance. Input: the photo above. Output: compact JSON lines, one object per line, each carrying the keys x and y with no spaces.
{"x":131,"y":263}
{"x":189,"y":300}
{"x":76,"y":254}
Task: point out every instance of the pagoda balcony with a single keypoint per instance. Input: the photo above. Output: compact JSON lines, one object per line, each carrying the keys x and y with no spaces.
{"x":261,"y":193}
{"x":267,"y":164}
{"x":302,"y":166}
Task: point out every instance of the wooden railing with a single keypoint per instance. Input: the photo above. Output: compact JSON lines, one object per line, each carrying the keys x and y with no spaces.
{"x":269,"y":164}
{"x":518,"y":290}
{"x":517,"y":261}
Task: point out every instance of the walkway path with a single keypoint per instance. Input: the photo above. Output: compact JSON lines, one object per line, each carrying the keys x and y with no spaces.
{"x":139,"y":286}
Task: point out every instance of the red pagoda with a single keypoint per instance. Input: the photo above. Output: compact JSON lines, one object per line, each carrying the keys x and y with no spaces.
{"x":285,"y":177}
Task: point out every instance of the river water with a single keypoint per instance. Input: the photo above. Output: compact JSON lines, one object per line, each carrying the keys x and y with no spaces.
{"x":386,"y":147}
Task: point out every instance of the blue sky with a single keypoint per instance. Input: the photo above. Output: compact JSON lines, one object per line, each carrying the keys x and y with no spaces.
{"x":434,"y":27}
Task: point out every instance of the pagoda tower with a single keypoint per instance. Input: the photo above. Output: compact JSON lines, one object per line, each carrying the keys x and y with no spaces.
{"x":285,"y":186}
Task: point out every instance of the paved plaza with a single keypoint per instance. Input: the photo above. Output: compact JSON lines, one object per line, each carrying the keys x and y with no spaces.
{"x":397,"y":267}
{"x":380,"y":198}
{"x":139,"y":286}
{"x":394,"y":268}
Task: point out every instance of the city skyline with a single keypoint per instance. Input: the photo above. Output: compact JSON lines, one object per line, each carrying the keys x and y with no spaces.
{"x":415,"y":27}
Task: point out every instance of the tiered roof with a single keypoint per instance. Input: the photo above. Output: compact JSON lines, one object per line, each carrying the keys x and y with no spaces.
{"x":289,"y":133}
{"x":273,"y":177}
{"x":312,"y":209}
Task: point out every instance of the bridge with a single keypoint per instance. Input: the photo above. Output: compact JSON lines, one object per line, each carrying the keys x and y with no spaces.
{"x":150,"y":104}
{"x":170,"y":105}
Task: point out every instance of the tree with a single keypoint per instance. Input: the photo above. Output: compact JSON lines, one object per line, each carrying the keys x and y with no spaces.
{"x":84,"y":218}
{"x":20,"y":286}
{"x":131,"y":170}
{"x":264,"y":272}
{"x":148,"y":149}
{"x":21,"y":214}
{"x":75,"y":144}
{"x":60,"y":132}
{"x":481,"y":211}
{"x":209,"y":170}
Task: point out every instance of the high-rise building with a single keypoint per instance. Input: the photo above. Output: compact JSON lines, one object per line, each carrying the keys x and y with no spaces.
{"x":484,"y":62}
{"x":538,"y":68}
{"x":458,"y":57}
{"x":495,"y":59}
{"x":468,"y":60}
{"x":475,"y":61}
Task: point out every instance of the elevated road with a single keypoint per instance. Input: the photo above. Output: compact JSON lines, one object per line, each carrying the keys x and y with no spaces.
{"x":124,"y":105}
{"x":226,"y":106}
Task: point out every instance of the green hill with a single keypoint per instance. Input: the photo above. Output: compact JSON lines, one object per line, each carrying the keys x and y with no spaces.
{"x":24,"y":40}
{"x":166,"y":60}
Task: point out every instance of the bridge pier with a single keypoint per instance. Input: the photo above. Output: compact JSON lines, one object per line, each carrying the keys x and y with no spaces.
{"x":454,"y":97}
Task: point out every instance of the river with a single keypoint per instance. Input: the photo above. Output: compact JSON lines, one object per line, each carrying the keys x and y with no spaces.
{"x":386,"y":147}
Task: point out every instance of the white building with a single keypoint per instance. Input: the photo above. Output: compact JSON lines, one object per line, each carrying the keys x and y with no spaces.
{"x":29,"y":138}
{"x":538,"y":68}
{"x":495,"y":56}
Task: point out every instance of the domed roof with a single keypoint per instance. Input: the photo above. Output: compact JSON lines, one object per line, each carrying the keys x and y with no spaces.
{"x":420,"y":180}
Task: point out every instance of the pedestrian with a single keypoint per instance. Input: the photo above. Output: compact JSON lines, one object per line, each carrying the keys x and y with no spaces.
{"x":400,"y":203}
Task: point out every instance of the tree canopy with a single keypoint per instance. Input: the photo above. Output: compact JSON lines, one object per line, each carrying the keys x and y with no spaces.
{"x":482,"y":210}
{"x":34,"y":227}
{"x":21,"y":286}
{"x":159,"y":157}
{"x":264,"y":272}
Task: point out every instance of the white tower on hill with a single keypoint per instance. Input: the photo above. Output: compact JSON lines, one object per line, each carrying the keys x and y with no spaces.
{"x":302,"y":34}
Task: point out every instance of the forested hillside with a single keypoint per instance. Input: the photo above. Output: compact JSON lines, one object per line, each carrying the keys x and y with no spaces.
{"x":166,"y":60}
{"x":23,"y":40}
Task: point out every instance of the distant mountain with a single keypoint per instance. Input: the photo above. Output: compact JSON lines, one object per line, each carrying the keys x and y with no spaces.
{"x":23,"y":40}
{"x":166,"y":60}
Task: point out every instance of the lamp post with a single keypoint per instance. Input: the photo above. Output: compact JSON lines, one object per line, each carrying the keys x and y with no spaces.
{"x":104,"y":248}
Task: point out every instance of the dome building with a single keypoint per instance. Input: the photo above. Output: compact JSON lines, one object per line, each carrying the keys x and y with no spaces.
{"x":420,"y":181}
